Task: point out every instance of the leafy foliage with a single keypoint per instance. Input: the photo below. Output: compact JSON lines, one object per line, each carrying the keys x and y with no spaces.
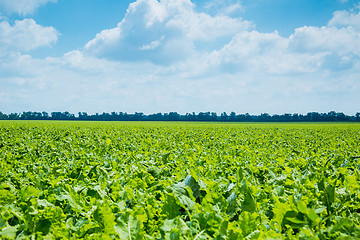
{"x":179,"y":181}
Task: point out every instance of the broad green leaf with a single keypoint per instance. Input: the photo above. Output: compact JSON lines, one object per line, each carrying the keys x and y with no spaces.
{"x":9,"y":232}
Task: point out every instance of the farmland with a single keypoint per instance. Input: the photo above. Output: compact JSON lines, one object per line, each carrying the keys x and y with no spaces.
{"x":137,"y":180}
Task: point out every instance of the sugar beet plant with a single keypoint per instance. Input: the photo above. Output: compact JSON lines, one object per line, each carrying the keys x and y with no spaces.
{"x":179,"y":181}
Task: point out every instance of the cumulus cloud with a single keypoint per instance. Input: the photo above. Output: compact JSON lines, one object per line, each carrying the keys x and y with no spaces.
{"x":26,"y":35}
{"x":309,"y":49}
{"x":262,"y":52}
{"x":153,"y":61}
{"x":77,"y":82}
{"x":174,"y":33}
{"x":337,"y":40}
{"x":22,"y":7}
{"x":224,"y":7}
{"x":346,"y":19}
{"x":169,"y":30}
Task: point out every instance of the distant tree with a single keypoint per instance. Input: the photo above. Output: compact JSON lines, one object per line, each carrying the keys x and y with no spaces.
{"x":45,"y":115}
{"x":155,"y":117}
{"x":224,"y":117}
{"x":314,"y":116}
{"x":204,"y":116}
{"x":3,"y":116}
{"x":68,"y":116}
{"x":31,"y":116}
{"x":276,"y":118}
{"x":214,"y":116}
{"x":105,"y":116}
{"x":55,"y":115}
{"x":342,"y":117}
{"x":137,"y":116}
{"x":174,"y":116}
{"x":232,"y":117}
{"x":295,"y":117}
{"x":83,"y":116}
{"x":241,"y":118}
{"x":287,"y":117}
{"x":332,"y":116}
{"x":265,"y":117}
{"x":114,"y":116}
{"x":14,"y":116}
{"x":190,"y":117}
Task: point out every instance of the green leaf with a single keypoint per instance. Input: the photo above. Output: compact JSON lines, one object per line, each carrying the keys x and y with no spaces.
{"x":129,"y":228}
{"x":223,"y":228}
{"x":105,"y":218}
{"x":330,"y":193}
{"x":30,"y":191}
{"x":184,"y":193}
{"x":254,"y":235}
{"x":249,"y":204}
{"x":301,"y":206}
{"x":312,"y":215}
{"x":171,"y":208}
{"x":165,"y":157}
{"x":193,"y":184}
{"x":32,"y":211}
{"x":248,"y":222}
{"x":320,"y":210}
{"x":174,"y":228}
{"x":44,"y":226}
{"x":9,"y":232}
{"x":295,"y":220}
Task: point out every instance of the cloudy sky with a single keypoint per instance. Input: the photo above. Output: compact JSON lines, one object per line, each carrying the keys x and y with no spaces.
{"x":255,"y":56}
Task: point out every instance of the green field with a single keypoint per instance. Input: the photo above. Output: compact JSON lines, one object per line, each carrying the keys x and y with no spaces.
{"x":169,"y":180}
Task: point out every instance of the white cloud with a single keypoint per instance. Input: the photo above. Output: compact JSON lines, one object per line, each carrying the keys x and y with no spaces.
{"x":309,"y":49}
{"x":341,"y":36}
{"x":169,"y":30}
{"x":78,"y":82}
{"x":155,"y":61}
{"x":173,"y":33}
{"x":231,"y":9}
{"x":22,"y":7}
{"x":25,"y":35}
{"x":224,"y":7}
{"x":152,"y":45}
{"x":88,"y":65}
{"x":263,"y":52}
{"x":69,"y":83}
{"x":336,"y":40}
{"x":346,"y":19}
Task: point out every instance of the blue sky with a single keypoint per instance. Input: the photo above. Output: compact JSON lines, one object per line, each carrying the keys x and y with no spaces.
{"x":256,"y":56}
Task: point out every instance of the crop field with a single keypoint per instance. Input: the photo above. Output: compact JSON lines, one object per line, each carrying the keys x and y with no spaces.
{"x":143,"y":180}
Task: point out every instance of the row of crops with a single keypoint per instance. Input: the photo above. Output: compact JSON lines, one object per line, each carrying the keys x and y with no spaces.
{"x":179,"y":181}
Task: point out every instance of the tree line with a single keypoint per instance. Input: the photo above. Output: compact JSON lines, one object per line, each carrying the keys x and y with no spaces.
{"x":174,"y":116}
